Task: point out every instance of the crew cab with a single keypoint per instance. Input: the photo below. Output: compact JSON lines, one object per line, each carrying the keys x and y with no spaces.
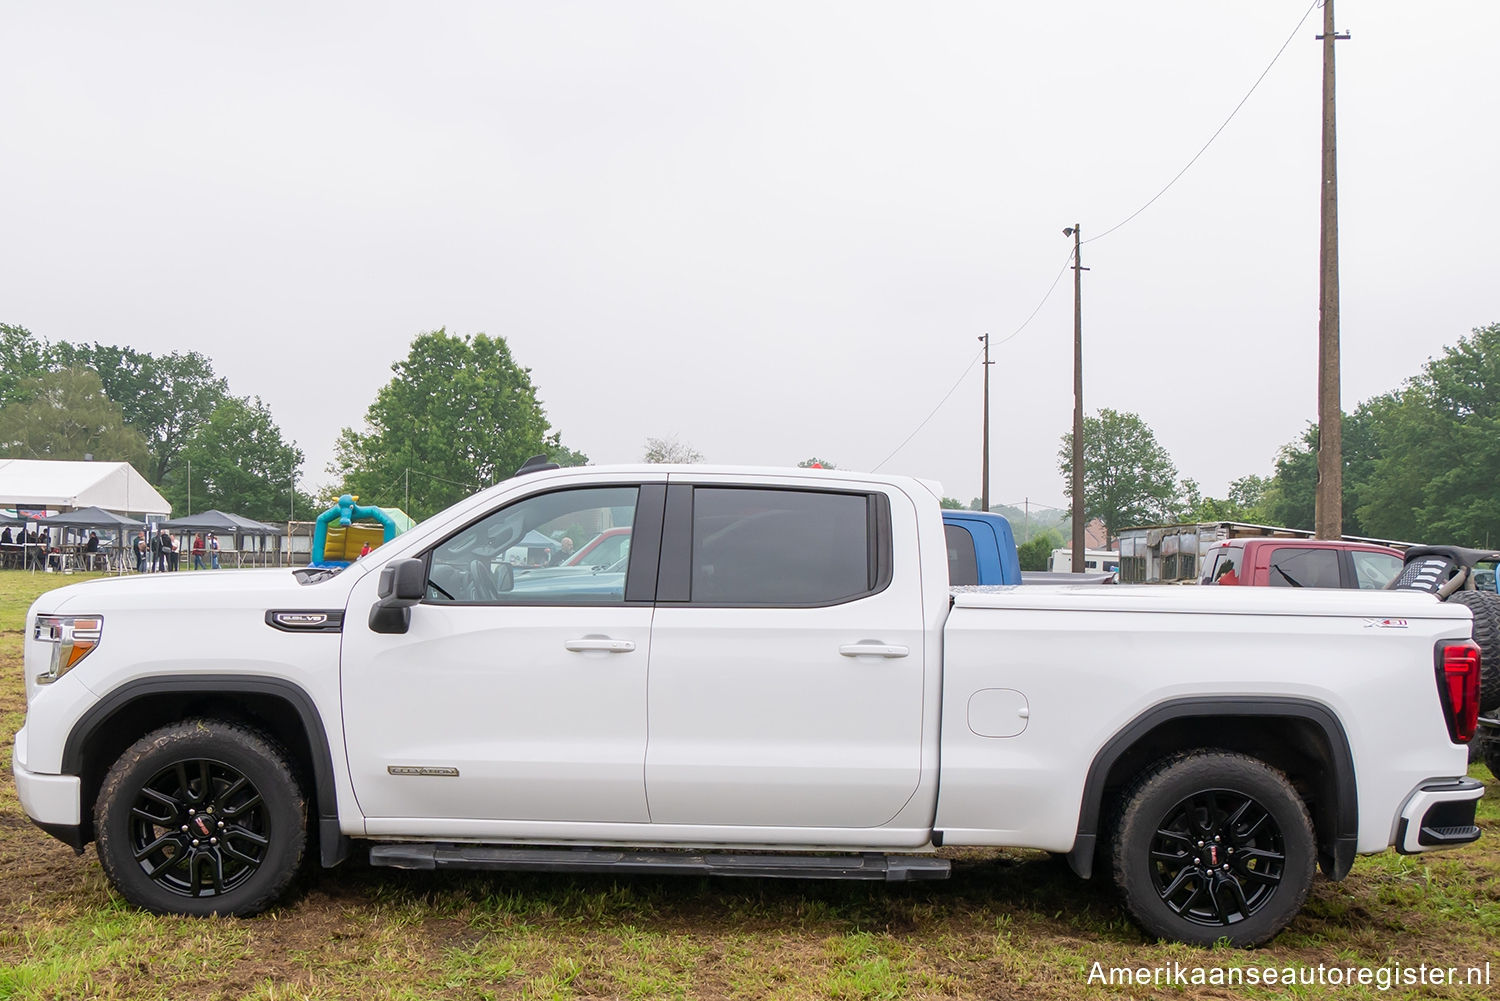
{"x":1301,"y":563}
{"x":778,"y":682}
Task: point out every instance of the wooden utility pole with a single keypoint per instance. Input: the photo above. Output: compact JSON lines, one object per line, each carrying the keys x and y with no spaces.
{"x":984,"y":464}
{"x":1078,"y":269}
{"x":1328,"y":515}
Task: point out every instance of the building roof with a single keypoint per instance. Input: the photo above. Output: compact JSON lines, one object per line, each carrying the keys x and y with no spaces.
{"x":68,"y":485}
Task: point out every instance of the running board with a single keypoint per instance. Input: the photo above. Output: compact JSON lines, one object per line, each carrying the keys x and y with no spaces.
{"x":891,"y":868}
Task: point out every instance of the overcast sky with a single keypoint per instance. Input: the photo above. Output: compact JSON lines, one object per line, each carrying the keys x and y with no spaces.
{"x":774,"y":230}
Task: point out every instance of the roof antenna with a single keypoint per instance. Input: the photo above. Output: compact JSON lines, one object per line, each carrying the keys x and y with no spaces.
{"x":536,"y":464}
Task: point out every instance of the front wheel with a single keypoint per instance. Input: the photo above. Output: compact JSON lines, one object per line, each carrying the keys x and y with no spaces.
{"x":1213,"y":845}
{"x":201,"y":817}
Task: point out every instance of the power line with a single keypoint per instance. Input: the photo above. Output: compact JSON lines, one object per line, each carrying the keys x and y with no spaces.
{"x":1221,"y":128}
{"x":1050,"y":288}
{"x":972,"y":362}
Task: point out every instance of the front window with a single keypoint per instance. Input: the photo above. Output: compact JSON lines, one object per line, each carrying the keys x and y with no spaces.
{"x":1373,"y":571}
{"x":520,"y":553}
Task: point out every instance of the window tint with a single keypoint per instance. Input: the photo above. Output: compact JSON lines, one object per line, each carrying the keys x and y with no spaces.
{"x":1304,"y":568}
{"x":1373,"y":571}
{"x":516,"y":555}
{"x":780,"y":547}
{"x":962,"y":569}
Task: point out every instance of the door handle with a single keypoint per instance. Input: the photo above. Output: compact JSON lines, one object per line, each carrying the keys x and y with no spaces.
{"x":599,"y":643}
{"x":873,"y":650}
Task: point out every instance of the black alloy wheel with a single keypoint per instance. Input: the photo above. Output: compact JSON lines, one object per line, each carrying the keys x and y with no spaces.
{"x":202,"y":817}
{"x":1217,"y":858}
{"x":1214,"y":845}
{"x":199,"y":828}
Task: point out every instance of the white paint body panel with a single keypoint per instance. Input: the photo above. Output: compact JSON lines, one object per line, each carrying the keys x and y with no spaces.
{"x":748,"y":727}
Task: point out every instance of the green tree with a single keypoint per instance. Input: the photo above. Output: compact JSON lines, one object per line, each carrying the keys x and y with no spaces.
{"x":1036,"y":552}
{"x":1435,"y":448}
{"x":239,"y":463}
{"x":65,"y":415}
{"x":951,"y":504}
{"x":1128,"y":478}
{"x":1242,"y":504}
{"x":164,"y":397}
{"x":459,"y":414}
{"x":22,"y":358}
{"x":670,"y":450}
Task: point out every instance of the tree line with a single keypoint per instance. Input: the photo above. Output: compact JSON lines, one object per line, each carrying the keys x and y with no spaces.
{"x":1419,"y":463}
{"x":458,"y":414}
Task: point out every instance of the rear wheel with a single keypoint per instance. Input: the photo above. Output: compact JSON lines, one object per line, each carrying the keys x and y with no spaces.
{"x":201,"y":817}
{"x":1212,"y":845}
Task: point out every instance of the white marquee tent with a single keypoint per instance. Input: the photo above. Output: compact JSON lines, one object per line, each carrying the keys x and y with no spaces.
{"x":67,"y":485}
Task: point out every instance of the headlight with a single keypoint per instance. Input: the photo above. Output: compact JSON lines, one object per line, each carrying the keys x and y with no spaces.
{"x":73,"y":637}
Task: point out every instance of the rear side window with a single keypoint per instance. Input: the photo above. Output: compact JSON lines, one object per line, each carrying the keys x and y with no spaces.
{"x":1304,"y":568}
{"x":962,"y":567}
{"x":781,"y":547}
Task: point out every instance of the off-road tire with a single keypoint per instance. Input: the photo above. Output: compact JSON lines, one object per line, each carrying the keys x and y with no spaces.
{"x":201,"y":817}
{"x":1486,"y":610}
{"x":1180,"y":883}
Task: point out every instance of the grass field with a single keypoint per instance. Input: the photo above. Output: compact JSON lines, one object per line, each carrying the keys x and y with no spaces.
{"x":1007,"y":925}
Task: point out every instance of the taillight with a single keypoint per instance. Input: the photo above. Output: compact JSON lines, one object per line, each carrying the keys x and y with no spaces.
{"x":1458,"y":687}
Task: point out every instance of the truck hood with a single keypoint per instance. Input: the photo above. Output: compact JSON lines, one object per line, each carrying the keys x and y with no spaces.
{"x":198,"y":591}
{"x":1373,"y":605}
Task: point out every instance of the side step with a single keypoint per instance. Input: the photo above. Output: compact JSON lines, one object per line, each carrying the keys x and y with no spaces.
{"x":891,"y":868}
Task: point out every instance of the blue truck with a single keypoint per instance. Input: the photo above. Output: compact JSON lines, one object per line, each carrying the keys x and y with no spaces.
{"x":982,"y":550}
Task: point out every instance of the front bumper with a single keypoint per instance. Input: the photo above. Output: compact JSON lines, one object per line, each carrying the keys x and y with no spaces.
{"x":51,"y":801}
{"x":1439,"y":814}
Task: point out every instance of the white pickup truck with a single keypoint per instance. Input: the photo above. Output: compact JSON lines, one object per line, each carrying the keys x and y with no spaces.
{"x":775,"y":679}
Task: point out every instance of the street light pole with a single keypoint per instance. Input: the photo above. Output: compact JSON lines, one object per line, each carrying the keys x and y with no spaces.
{"x":1078,"y":270}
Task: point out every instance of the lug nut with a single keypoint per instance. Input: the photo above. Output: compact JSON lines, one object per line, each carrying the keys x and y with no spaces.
{"x":184,"y":828}
{"x":195,"y":842}
{"x":221,"y":827}
{"x":192,"y":813}
{"x":214,"y":841}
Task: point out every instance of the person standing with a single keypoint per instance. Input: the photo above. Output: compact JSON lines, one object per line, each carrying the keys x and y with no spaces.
{"x":213,"y":550}
{"x":158,"y":558}
{"x":169,"y":550}
{"x":141,"y":552}
{"x":198,"y":549}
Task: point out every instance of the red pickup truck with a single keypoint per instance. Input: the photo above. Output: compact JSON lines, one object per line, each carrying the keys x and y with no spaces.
{"x":1300,"y":563}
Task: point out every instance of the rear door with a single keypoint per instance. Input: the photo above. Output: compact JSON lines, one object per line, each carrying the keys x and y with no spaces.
{"x":786,"y":675}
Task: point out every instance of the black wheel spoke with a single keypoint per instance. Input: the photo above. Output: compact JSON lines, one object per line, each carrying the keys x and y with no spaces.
{"x":1261,"y":876}
{"x":223,"y":798}
{"x":1186,"y":839}
{"x":147,"y":850}
{"x":234,"y":853}
{"x":1170,"y":859}
{"x":161,"y":872}
{"x":184,"y":787}
{"x":1220,"y":915}
{"x":1182,"y":877}
{"x":241,"y":833}
{"x":152,"y":818}
{"x":240,"y":808}
{"x":1188,"y":903}
{"x":1260,"y":855}
{"x":171,"y":803}
{"x":1241,"y":903}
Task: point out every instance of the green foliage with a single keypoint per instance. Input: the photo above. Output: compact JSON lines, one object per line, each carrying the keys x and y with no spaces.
{"x":22,"y":358}
{"x":670,"y":450}
{"x":1035,"y":553}
{"x":1243,"y":503}
{"x":951,"y":504}
{"x":816,"y":462}
{"x":241,"y":464}
{"x":1128,"y":478}
{"x":65,"y":415}
{"x":163,"y":397}
{"x":1429,"y":466}
{"x":459,"y":414}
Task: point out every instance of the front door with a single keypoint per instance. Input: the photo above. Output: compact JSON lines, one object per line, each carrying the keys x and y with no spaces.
{"x":786,"y":684}
{"x":518,"y":692}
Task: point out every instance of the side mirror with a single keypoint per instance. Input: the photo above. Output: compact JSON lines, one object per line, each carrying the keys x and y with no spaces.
{"x":402,"y":585}
{"x":405,"y":580}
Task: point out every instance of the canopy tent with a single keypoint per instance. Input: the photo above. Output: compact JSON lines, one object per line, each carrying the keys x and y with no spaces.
{"x":69,"y":485}
{"x":219,"y":521}
{"x":93,"y":517}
